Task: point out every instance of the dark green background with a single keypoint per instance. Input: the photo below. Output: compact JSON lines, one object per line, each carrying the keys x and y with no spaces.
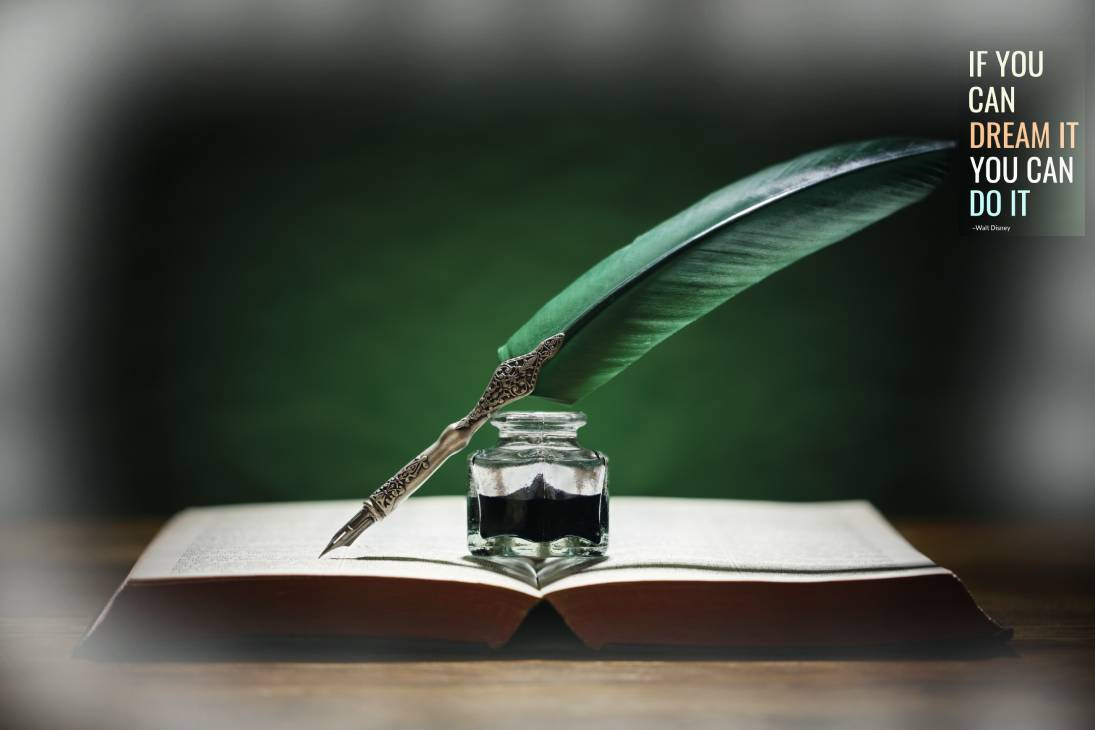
{"x":299,"y":289}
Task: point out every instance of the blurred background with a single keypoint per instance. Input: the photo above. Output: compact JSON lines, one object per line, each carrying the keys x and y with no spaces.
{"x":265,"y":252}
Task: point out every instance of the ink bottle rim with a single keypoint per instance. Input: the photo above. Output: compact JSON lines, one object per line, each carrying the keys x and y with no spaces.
{"x":536,"y":425}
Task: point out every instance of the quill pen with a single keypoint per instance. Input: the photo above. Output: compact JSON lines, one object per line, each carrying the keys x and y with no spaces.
{"x":667,"y":278}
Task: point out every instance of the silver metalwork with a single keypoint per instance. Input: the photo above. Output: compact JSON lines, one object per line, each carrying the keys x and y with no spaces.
{"x":512,"y":380}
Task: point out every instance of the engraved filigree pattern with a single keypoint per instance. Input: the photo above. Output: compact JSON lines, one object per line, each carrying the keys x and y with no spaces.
{"x":513,"y":379}
{"x":386,"y":496}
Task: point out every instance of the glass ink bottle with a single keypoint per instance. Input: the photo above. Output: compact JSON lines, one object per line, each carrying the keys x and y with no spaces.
{"x":538,"y":493}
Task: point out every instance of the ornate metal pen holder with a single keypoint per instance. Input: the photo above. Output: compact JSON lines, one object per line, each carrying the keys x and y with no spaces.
{"x":512,"y":380}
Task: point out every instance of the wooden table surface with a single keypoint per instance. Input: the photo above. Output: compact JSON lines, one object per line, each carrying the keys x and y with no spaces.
{"x":1037,"y":577}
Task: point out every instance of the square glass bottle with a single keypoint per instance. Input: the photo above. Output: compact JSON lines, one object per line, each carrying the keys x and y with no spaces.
{"x":538,"y":493}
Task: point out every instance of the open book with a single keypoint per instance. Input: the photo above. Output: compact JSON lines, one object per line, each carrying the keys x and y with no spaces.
{"x":679,"y":572}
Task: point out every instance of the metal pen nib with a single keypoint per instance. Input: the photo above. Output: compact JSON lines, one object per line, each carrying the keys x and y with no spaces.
{"x":349,"y":532}
{"x":513,"y":379}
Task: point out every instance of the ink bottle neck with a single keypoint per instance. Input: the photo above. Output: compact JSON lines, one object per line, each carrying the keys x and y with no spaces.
{"x":538,"y":427}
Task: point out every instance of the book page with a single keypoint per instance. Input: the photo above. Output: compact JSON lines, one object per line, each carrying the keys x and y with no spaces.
{"x":656,"y":538}
{"x":423,"y":539}
{"x":651,"y":538}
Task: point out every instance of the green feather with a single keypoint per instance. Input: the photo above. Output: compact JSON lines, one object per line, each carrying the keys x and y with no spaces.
{"x":679,"y":271}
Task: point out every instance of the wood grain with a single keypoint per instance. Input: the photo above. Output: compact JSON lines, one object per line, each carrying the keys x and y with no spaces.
{"x":1037,"y":577}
